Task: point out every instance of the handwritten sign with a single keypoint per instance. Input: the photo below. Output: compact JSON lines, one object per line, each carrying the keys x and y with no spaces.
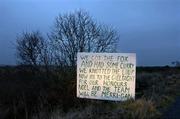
{"x":106,"y":76}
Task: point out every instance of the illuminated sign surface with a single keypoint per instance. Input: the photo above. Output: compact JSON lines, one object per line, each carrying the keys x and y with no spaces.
{"x":106,"y":76}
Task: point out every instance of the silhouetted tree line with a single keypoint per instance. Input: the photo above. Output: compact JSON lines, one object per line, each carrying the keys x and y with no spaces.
{"x":73,"y":32}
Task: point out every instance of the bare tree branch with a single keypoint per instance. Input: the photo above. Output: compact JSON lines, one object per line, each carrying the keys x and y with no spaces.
{"x":78,"y":32}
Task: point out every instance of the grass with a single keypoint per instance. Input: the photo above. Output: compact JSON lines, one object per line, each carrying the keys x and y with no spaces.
{"x":27,"y":96}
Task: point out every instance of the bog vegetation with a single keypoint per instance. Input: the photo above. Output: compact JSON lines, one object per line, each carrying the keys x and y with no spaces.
{"x":25,"y":95}
{"x":43,"y":84}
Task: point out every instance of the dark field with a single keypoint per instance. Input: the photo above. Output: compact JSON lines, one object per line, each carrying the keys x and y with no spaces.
{"x":37,"y":94}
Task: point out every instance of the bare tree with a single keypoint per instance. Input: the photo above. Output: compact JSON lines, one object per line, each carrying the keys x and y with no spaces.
{"x":29,"y":48}
{"x":46,"y":58}
{"x":78,"y":32}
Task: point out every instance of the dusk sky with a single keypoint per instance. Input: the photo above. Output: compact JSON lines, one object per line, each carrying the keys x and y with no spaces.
{"x":149,"y":28}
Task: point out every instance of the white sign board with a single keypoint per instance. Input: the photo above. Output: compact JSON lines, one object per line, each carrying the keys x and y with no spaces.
{"x":106,"y":76}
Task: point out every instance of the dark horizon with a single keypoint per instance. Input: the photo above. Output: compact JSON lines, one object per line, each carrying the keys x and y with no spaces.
{"x":151,"y":28}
